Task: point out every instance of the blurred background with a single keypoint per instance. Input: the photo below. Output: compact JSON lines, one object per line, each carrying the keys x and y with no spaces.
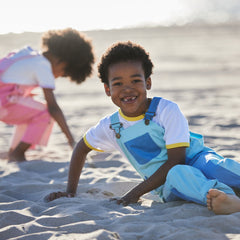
{"x":38,"y":16}
{"x":194,"y":45}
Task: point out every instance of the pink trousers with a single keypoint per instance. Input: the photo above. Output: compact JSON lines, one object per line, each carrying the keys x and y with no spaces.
{"x":31,"y":118}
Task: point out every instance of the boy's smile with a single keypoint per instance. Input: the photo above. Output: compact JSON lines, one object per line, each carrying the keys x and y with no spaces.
{"x":127,"y":87}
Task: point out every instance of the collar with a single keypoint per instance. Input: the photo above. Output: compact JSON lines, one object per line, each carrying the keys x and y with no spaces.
{"x":140,"y":117}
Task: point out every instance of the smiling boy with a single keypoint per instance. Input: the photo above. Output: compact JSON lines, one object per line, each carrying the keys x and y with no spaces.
{"x":153,"y":135}
{"x":127,"y":88}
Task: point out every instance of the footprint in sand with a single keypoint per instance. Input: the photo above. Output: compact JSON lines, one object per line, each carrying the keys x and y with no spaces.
{"x":96,"y":191}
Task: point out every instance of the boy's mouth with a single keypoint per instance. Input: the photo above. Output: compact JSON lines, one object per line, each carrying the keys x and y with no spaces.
{"x":129,"y":99}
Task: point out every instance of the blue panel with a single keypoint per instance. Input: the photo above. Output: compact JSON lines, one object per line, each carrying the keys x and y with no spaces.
{"x":143,"y":148}
{"x":214,"y":171}
{"x":214,"y":166}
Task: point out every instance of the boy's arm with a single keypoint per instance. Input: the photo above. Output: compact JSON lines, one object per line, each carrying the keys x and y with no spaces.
{"x":175,"y":156}
{"x":76,"y":165}
{"x":57,"y":114}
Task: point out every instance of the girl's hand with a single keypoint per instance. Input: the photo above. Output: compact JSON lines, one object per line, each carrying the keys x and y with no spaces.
{"x":55,"y":195}
{"x":72,"y":144}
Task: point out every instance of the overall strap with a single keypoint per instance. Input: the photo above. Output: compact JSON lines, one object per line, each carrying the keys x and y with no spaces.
{"x":151,"y":110}
{"x":116,"y":125}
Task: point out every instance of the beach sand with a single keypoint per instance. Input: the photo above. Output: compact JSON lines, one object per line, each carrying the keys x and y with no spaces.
{"x":196,"y":66}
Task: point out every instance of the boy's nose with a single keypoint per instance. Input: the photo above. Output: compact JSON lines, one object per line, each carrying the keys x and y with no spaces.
{"x":127,"y":87}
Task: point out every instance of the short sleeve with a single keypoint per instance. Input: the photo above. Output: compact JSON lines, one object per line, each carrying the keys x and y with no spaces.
{"x":44,"y":75}
{"x":32,"y":71}
{"x":176,"y":127}
{"x":100,"y":137}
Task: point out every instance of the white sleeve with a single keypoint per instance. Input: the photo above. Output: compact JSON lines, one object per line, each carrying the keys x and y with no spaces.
{"x":34,"y":71}
{"x":176,"y":127}
{"x":44,"y":75}
{"x":101,"y":137}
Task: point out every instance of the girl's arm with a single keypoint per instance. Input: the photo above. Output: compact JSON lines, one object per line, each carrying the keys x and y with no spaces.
{"x":76,"y":165}
{"x":175,"y":156}
{"x":57,"y":114}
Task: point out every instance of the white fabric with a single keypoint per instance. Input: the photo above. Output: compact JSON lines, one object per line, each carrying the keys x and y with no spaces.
{"x":168,"y":116}
{"x":34,"y":71}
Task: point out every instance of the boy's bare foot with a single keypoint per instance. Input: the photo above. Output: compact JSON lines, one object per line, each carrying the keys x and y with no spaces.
{"x":222,"y":203}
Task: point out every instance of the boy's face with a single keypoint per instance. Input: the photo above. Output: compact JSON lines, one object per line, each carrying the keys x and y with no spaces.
{"x":127,"y":87}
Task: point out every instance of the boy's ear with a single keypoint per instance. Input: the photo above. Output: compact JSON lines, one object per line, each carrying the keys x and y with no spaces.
{"x":107,"y":90}
{"x":148,"y":83}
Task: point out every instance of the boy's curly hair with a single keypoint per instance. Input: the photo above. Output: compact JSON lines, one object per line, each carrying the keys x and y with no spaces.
{"x":72,"y":47}
{"x":122,"y":52}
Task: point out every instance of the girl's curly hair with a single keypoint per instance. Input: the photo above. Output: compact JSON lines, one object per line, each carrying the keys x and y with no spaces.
{"x":122,"y":52}
{"x":72,"y":47}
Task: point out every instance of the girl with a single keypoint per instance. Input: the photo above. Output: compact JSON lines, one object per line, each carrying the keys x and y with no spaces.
{"x":66,"y":53}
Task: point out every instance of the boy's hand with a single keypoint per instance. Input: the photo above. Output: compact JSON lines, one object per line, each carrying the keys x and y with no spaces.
{"x":127,"y":199}
{"x":55,"y":195}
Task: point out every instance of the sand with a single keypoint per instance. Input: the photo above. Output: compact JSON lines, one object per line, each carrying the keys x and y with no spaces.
{"x":199,"y":68}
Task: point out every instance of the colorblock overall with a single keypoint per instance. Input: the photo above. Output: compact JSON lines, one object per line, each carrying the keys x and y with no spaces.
{"x":145,"y":148}
{"x":17,"y":107}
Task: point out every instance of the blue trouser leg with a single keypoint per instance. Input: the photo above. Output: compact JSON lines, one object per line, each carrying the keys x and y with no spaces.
{"x":189,"y":183}
{"x":214,"y":166}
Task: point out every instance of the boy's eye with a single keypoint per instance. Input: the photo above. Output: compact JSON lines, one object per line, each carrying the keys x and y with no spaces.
{"x":137,"y":80}
{"x":117,"y":84}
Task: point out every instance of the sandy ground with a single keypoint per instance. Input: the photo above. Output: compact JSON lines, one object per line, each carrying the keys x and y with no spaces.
{"x":197,"y":67}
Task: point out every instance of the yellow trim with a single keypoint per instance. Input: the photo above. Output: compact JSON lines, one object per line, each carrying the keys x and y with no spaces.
{"x":131,"y":118}
{"x":88,"y":145}
{"x":175,"y":145}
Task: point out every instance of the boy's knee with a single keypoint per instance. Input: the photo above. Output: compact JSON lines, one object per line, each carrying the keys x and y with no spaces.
{"x":178,"y":171}
{"x":175,"y":171}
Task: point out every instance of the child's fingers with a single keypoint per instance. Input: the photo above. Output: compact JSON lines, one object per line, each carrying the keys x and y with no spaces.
{"x":55,"y":195}
{"x":72,"y":144}
{"x":49,"y":197}
{"x":117,"y":200}
{"x":122,"y":201}
{"x":70,"y":195}
{"x":113,"y":199}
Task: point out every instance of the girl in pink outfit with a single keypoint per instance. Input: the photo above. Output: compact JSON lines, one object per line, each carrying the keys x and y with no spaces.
{"x":66,"y":53}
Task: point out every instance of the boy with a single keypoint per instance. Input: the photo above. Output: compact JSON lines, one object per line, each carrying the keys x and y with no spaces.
{"x":153,"y":134}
